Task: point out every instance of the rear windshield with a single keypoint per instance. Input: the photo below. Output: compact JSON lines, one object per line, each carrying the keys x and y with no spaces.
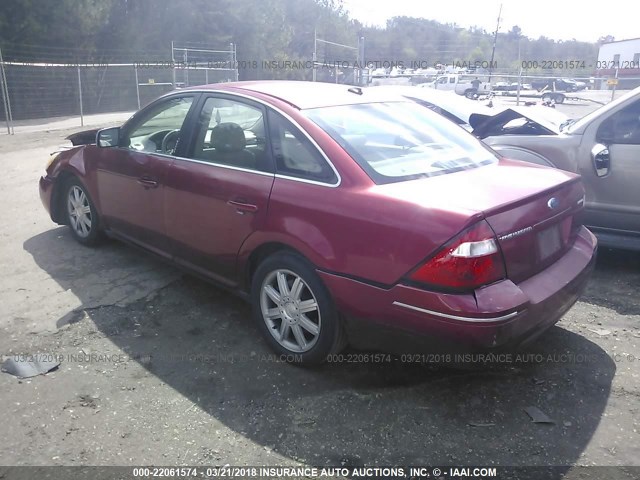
{"x":399,"y":141}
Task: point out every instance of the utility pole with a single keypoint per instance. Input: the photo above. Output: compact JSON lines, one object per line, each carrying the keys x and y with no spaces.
{"x":495,"y":39}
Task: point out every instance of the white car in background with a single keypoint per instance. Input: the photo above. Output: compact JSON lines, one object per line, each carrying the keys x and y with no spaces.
{"x":531,"y":120}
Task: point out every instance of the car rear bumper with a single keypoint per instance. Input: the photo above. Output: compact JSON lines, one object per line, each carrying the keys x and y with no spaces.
{"x":500,"y":316}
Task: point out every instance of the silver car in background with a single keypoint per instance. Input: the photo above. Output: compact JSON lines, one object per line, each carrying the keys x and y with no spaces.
{"x":603,"y":147}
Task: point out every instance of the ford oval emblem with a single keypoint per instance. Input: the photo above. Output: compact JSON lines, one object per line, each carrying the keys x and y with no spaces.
{"x":553,"y":203}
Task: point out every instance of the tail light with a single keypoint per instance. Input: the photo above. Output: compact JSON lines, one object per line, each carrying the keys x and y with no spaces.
{"x":470,"y":260}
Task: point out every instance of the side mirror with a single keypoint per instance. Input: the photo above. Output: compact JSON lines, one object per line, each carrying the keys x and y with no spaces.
{"x":601,"y":159}
{"x":108,"y":137}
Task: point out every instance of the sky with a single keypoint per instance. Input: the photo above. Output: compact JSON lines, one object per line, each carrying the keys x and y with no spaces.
{"x":561,"y":20}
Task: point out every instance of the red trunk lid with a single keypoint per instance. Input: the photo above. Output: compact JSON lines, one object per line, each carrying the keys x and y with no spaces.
{"x":535,"y":231}
{"x":534,"y":211}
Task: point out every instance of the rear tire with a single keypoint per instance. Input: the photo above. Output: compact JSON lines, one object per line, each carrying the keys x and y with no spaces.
{"x":471,"y":93}
{"x":80,"y":213}
{"x":294,"y":310}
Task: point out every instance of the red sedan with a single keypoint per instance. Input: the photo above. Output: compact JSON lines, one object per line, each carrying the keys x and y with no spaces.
{"x":344,"y":215}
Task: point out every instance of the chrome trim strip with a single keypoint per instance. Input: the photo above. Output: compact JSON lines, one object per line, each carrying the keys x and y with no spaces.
{"x":296,"y":124}
{"x":456,"y":317}
{"x":223,"y":165}
{"x":194,"y":160}
{"x":304,"y":180}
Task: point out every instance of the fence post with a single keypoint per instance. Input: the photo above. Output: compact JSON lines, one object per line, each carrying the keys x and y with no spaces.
{"x":361,"y":64}
{"x":5,"y":97}
{"x":6,"y":110}
{"x":80,"y":98}
{"x":235,"y":62}
{"x":173,"y":66}
{"x":185,"y":56}
{"x":135,"y":67}
{"x":314,"y":56}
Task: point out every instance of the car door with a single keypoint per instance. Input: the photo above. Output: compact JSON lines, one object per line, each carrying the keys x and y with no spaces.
{"x":132,"y":175}
{"x":610,"y":168}
{"x":218,"y":193}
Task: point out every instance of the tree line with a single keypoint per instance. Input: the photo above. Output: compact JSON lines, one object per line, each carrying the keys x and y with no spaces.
{"x":263,"y":31}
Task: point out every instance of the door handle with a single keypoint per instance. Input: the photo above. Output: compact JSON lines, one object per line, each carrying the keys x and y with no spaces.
{"x":147,"y":182}
{"x":243,"y":207}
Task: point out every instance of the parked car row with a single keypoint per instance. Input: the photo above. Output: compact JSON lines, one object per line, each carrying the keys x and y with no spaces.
{"x":510,"y":87}
{"x":358,"y":216}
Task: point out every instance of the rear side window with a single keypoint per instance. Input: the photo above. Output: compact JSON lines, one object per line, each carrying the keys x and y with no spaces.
{"x":295,"y":155}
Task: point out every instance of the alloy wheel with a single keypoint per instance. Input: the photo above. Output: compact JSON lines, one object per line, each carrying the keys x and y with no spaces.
{"x":290,"y":310}
{"x":79,"y":211}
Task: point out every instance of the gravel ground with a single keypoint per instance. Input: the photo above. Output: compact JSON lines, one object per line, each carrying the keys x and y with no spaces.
{"x":161,"y":368}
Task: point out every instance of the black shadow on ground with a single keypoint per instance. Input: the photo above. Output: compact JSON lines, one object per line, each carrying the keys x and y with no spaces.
{"x":201,"y":342}
{"x":616,"y":281}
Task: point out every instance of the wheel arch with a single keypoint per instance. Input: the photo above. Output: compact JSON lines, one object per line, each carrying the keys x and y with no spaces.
{"x":251,"y":261}
{"x":68,"y":165}
{"x":57,"y":196}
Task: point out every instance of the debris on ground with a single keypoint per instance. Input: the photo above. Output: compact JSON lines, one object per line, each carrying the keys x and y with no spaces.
{"x":20,"y":369}
{"x":537,"y":415}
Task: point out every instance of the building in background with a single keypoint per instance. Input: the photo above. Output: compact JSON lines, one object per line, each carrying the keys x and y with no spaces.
{"x":623,"y":56}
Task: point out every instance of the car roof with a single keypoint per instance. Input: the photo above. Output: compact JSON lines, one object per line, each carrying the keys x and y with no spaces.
{"x":453,"y":103}
{"x":304,"y":95}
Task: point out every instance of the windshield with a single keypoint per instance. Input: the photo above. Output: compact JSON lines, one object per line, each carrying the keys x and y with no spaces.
{"x":399,"y":141}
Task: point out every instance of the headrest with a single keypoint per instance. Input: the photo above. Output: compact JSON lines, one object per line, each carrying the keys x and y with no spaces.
{"x":228,"y":137}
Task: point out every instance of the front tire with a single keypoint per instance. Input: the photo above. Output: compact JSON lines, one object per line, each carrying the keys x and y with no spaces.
{"x":80,"y":213}
{"x":294,"y":310}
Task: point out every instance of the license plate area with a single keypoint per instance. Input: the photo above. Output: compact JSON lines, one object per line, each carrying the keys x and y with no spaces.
{"x":549,"y":242}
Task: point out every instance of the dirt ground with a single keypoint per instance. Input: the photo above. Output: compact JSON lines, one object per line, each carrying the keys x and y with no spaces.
{"x":161,"y":368}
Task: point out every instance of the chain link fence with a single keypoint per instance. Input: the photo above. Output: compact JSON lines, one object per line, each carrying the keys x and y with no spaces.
{"x":38,"y":84}
{"x":40,"y":90}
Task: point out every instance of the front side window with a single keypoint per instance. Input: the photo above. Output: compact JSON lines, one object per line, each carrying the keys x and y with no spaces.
{"x":622,"y":127}
{"x":231,"y":133}
{"x":399,"y":141}
{"x":158,"y":130}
